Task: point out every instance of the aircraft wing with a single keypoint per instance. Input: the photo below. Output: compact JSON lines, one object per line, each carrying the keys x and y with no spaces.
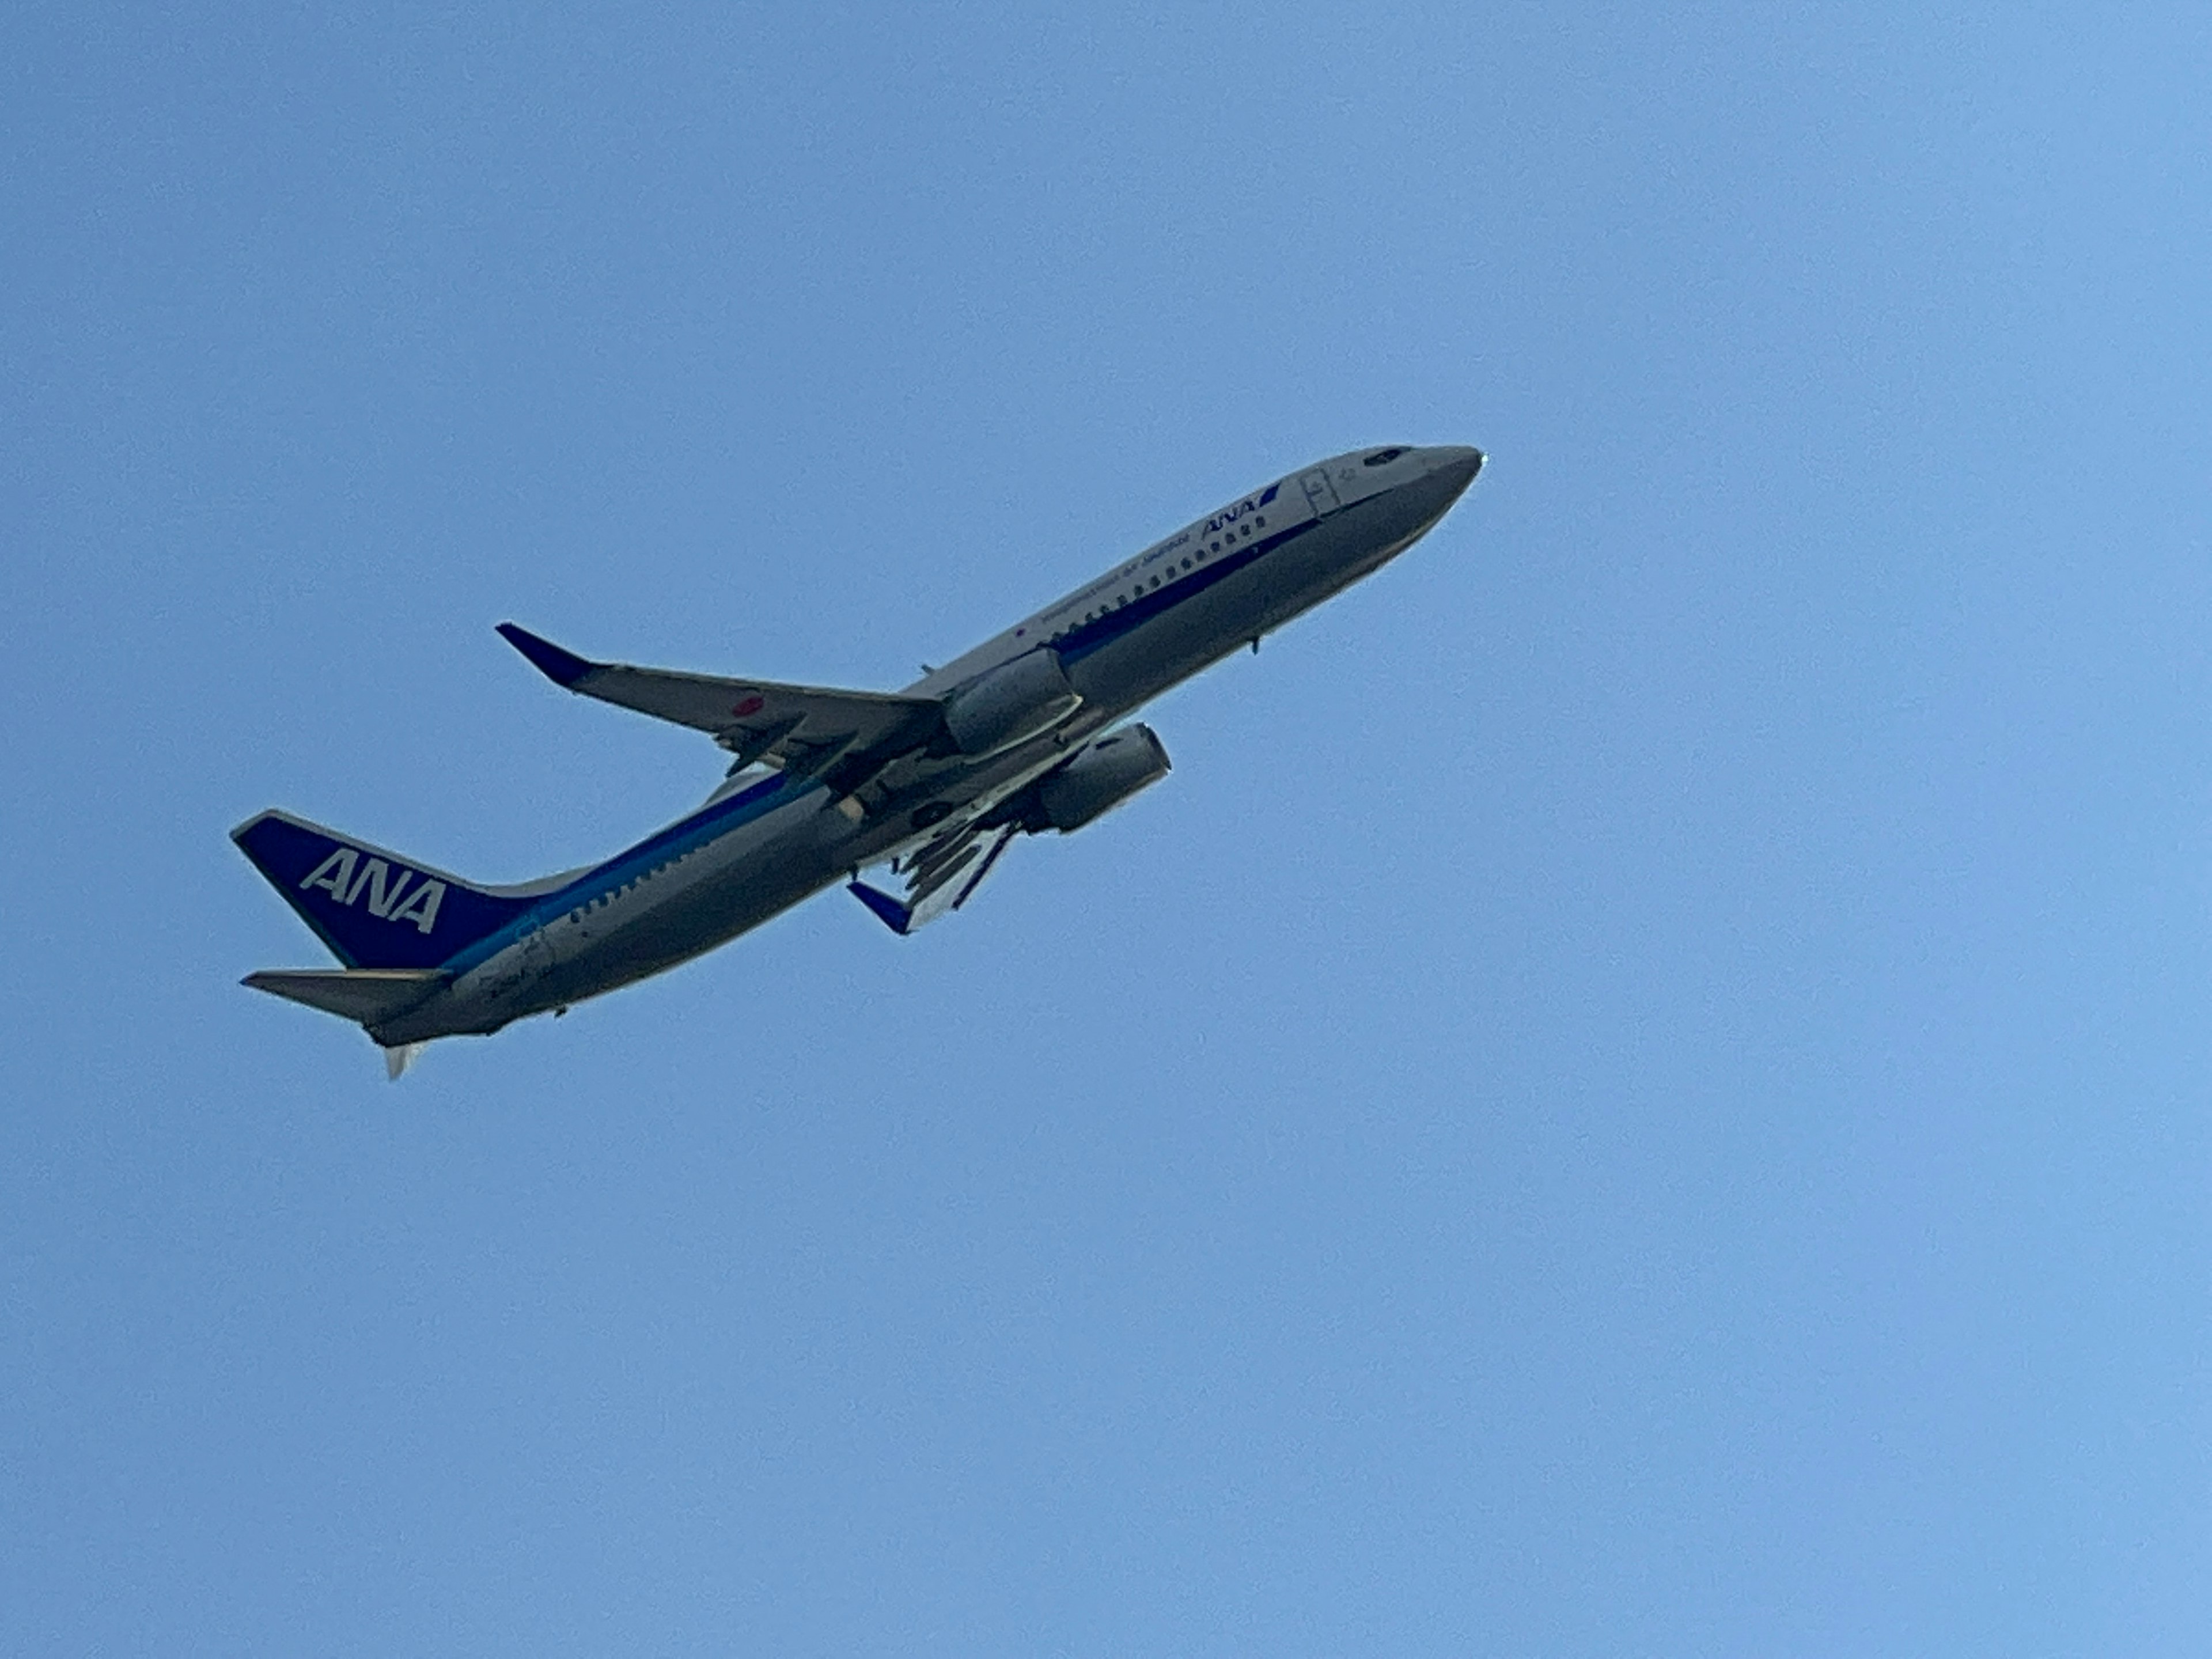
{"x":941,"y":875}
{"x":798,"y":727}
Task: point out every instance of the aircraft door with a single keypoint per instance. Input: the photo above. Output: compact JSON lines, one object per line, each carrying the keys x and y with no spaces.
{"x":1320,"y":494}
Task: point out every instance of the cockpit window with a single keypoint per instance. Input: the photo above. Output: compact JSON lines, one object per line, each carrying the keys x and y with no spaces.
{"x":1384,"y":457}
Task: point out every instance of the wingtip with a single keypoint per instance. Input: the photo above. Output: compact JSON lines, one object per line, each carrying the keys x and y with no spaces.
{"x":888,"y":910}
{"x":562,"y":667}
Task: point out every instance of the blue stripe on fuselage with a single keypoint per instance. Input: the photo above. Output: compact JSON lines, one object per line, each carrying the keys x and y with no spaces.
{"x":684,"y":835}
{"x":1083,"y":639}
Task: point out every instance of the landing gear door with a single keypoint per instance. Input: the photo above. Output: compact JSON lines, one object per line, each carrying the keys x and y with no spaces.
{"x":1320,"y":494}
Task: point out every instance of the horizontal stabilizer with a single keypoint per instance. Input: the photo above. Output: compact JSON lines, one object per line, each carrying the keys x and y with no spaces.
{"x":367,"y":996}
{"x":790,"y":725}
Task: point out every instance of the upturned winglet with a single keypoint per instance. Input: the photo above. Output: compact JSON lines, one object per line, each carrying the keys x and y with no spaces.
{"x":563,"y":667}
{"x":889,"y":910}
{"x":801,"y":728}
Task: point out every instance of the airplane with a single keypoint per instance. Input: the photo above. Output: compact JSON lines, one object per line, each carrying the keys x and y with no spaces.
{"x":1020,"y":736}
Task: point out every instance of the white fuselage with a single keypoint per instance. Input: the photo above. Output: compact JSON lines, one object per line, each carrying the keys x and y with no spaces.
{"x":765,"y":841}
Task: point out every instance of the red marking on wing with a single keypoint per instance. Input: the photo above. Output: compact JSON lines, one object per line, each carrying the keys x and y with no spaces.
{"x":751,"y":703}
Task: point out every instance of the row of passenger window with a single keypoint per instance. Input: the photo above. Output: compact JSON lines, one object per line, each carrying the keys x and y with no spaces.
{"x":605,"y":899}
{"x":1229,"y":538}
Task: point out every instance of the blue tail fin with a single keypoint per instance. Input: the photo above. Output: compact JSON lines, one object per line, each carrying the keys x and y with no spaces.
{"x":373,"y":908}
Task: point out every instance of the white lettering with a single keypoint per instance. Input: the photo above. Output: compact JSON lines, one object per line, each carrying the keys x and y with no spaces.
{"x":382,"y":899}
{"x":421,"y":906}
{"x":334,"y":873}
{"x":389,"y":896}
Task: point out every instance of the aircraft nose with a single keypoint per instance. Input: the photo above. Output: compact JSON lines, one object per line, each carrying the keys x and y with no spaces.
{"x":1455,"y":463}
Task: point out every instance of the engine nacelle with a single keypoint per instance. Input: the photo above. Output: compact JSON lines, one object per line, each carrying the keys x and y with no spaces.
{"x":1104,"y":773}
{"x":1014,"y":700}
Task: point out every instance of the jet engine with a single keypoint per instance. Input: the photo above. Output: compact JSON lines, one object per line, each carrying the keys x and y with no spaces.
{"x":1014,"y":700}
{"x":1104,"y":773}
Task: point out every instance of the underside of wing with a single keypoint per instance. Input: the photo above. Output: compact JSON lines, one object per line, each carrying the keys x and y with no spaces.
{"x":803,"y":729}
{"x":941,"y":875}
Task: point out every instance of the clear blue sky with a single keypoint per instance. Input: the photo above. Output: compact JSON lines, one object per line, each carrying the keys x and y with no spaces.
{"x":1642,"y":1090}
